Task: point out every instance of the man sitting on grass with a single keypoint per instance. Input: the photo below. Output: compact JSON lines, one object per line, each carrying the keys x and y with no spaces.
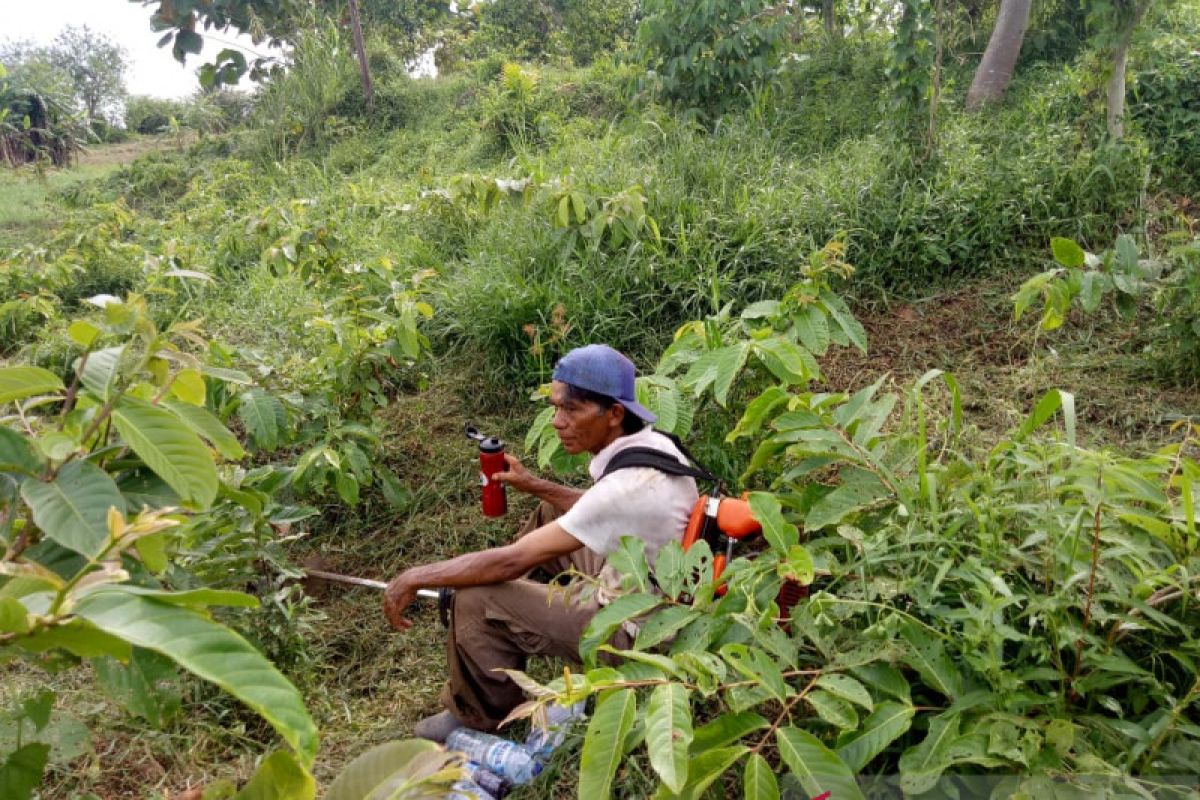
{"x":500,"y":616}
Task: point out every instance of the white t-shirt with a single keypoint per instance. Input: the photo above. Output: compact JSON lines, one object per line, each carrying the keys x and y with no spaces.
{"x":637,"y":501}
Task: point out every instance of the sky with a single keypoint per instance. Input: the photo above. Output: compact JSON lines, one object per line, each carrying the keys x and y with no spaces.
{"x":152,"y":71}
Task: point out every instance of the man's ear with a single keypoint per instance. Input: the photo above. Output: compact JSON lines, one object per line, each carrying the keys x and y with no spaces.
{"x":617,"y":414}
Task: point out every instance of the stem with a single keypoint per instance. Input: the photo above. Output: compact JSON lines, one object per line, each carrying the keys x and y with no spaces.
{"x":787,"y":711}
{"x":1162,"y":735}
{"x":1091,"y":592}
{"x":69,"y":403}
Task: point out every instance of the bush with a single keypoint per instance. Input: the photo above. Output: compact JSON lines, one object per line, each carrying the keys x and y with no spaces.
{"x":1165,"y":104}
{"x":151,"y":115}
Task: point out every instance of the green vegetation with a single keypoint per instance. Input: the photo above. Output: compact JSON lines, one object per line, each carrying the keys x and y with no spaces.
{"x":257,"y":347}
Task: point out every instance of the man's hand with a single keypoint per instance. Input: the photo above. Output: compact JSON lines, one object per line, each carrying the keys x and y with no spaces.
{"x":516,"y":475}
{"x":398,"y":596}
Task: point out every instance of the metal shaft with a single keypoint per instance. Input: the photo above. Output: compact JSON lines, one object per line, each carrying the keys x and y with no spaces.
{"x":428,"y":594}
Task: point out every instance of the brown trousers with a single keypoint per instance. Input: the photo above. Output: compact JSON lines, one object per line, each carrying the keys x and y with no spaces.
{"x":497,"y":627}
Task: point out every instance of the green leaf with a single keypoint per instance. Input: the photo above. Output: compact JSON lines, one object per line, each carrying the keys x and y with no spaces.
{"x":146,"y":686}
{"x":203,"y":422}
{"x":602,"y":744}
{"x":77,"y":637}
{"x":364,"y":774}
{"x":758,"y":781}
{"x":1091,"y":290}
{"x":21,"y":772}
{"x":798,"y":566}
{"x":629,"y":559}
{"x":813,"y":329}
{"x":210,"y":651}
{"x":922,"y":764}
{"x":928,"y":657}
{"x":859,"y":489}
{"x":728,"y":363}
{"x":787,"y":361}
{"x":887,"y":723}
{"x":842,"y":315}
{"x":757,"y":411}
{"x":101,"y":370}
{"x":1067,"y":253}
{"x":669,"y":733}
{"x":611,"y":617}
{"x":705,"y":768}
{"x":168,"y":447}
{"x":83,"y":333}
{"x":663,"y":625}
{"x":846,"y":688}
{"x":781,"y":534}
{"x":191,"y":598}
{"x":264,"y":417}
{"x":73,"y":508}
{"x":725,"y":729}
{"x":832,"y":709}
{"x":818,"y":768}
{"x":189,"y":387}
{"x":18,"y":455}
{"x":14,"y":617}
{"x":17,"y":383}
{"x":1047,"y":405}
{"x":347,"y":487}
{"x":279,"y":777}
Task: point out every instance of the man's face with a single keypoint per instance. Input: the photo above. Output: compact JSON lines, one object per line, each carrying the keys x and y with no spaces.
{"x":583,"y":426}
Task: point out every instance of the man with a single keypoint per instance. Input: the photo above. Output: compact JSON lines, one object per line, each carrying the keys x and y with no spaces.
{"x":499,"y":616}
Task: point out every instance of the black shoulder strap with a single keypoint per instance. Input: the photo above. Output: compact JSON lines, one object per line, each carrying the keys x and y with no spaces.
{"x":659,"y":460}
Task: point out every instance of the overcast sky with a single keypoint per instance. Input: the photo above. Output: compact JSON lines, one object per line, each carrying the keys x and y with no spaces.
{"x":151,"y":70}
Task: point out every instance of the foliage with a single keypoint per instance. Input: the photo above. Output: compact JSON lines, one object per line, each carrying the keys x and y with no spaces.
{"x":1165,"y":104}
{"x":912,"y":57}
{"x":582,"y":30}
{"x":710,"y":55}
{"x":84,"y":575}
{"x":1017,"y":610}
{"x":1085,"y":280}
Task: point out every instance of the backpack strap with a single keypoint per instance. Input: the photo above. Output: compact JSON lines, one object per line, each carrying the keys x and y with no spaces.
{"x":659,"y":460}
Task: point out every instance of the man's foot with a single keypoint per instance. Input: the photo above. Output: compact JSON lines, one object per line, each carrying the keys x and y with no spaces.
{"x":437,"y":727}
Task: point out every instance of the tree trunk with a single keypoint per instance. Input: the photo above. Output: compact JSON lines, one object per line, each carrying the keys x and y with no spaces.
{"x":1116,"y":81}
{"x":829,"y":15}
{"x":361,"y":51}
{"x":996,"y":69}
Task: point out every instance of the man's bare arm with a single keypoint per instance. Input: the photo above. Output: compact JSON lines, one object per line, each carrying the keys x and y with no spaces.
{"x":486,"y":567}
{"x":557,"y":495}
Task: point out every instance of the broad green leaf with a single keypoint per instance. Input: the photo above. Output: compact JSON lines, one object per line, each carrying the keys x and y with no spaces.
{"x":787,"y":361}
{"x":169,"y":448}
{"x":17,"y":383}
{"x":726,"y":729}
{"x":146,"y":686}
{"x":669,"y":569}
{"x":17,"y":455}
{"x":264,"y":418}
{"x":779,"y":532}
{"x":886,"y":679}
{"x":100,"y":370}
{"x":279,"y":777}
{"x":846,"y":688}
{"x":210,"y":651}
{"x":77,"y":637}
{"x":629,"y":559}
{"x":818,"y":768}
{"x":360,"y":777}
{"x":757,"y":411}
{"x":83,"y":333}
{"x":662,"y":664}
{"x":73,"y":508}
{"x":841,"y":314}
{"x":1067,"y":253}
{"x":21,"y":772}
{"x":704,"y":769}
{"x":1091,"y":290}
{"x":728,"y":363}
{"x":203,"y":422}
{"x":611,"y":617}
{"x":347,"y":487}
{"x":858,"y":490}
{"x":832,"y":709}
{"x":757,"y":666}
{"x":758,"y":781}
{"x":663,"y":625}
{"x":191,"y":598}
{"x":798,"y":566}
{"x":888,"y":722}
{"x":189,"y":387}
{"x":669,"y":733}
{"x":14,"y":617}
{"x":56,"y":445}
{"x":813,"y":328}
{"x":602,"y":744}
{"x":922,"y":764}
{"x":928,"y":657}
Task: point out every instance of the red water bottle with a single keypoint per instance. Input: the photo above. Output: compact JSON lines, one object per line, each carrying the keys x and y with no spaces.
{"x":491,"y":461}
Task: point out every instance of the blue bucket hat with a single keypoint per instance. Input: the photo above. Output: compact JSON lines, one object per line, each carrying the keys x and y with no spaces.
{"x":601,"y":369}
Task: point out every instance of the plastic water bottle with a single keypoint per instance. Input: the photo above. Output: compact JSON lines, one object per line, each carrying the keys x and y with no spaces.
{"x":468,"y":790}
{"x":541,"y":742}
{"x":487,"y":780}
{"x":509,"y":760}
